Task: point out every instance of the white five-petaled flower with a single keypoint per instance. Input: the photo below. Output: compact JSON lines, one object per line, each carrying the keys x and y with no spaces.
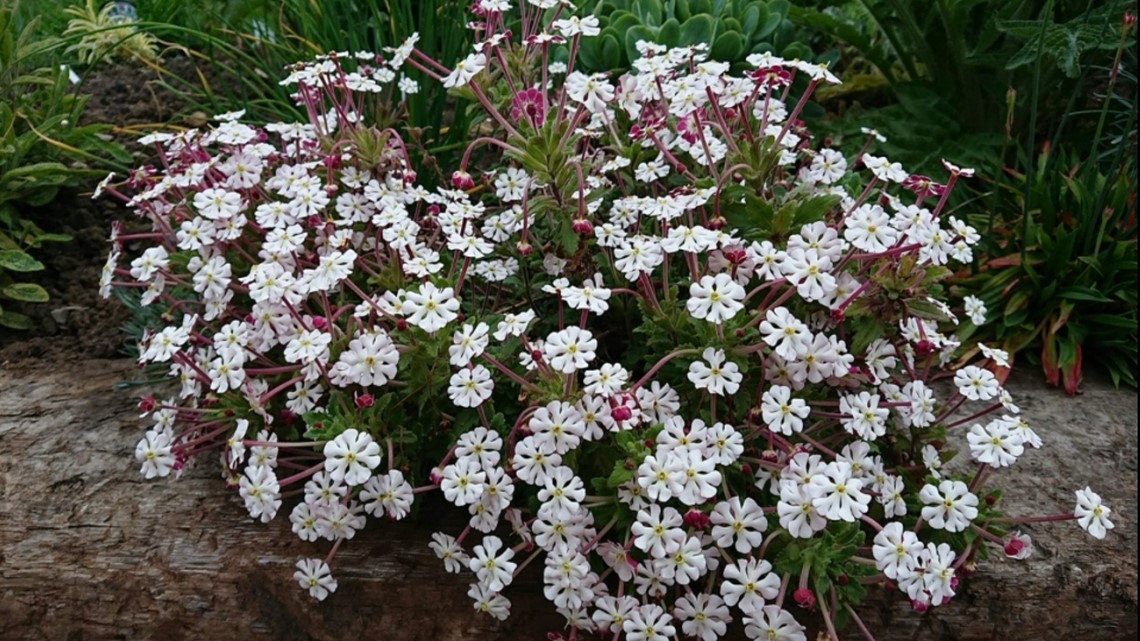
{"x":570,"y":350}
{"x":715,"y":298}
{"x":1092,"y":514}
{"x":465,"y":70}
{"x":493,"y":568}
{"x":314,"y":575}
{"x":715,"y":374}
{"x":431,"y":308}
{"x":154,"y":453}
{"x":742,"y":522}
{"x":351,"y":457}
{"x":950,"y":506}
{"x":977,"y":384}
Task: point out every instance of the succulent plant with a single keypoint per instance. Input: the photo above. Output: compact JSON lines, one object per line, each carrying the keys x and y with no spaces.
{"x":732,"y":29}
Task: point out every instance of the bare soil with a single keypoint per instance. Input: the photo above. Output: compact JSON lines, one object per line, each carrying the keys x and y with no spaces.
{"x":76,"y":321}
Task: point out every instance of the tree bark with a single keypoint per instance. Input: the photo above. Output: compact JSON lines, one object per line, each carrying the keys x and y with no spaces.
{"x":89,"y":550}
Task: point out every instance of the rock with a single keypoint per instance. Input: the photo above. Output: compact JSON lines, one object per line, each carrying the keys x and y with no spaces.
{"x":88,"y":550}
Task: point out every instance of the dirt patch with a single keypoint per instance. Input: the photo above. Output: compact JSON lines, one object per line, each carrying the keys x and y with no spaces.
{"x":76,"y":320}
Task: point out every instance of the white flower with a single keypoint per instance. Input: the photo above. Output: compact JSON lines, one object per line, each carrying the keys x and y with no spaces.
{"x":975,"y":309}
{"x":862,"y":415}
{"x":658,"y":532}
{"x":772,"y":623}
{"x":742,"y":522}
{"x":494,"y":569}
{"x":950,"y":506}
{"x":749,"y":582}
{"x":351,"y":457}
{"x":569,"y":350}
{"x":465,"y":70}
{"x":469,"y":387}
{"x":716,"y":298}
{"x":997,"y":444}
{"x":839,"y":495}
{"x":462,"y":482}
{"x":703,"y":616}
{"x":453,"y":556}
{"x":649,"y":623}
{"x":782,"y":413}
{"x":154,"y":453}
{"x":315,"y":576}
{"x":896,"y":550}
{"x":387,"y":494}
{"x":489,"y":601}
{"x":431,"y":308}
{"x":977,"y":384}
{"x":714,"y":374}
{"x":1092,"y":515}
{"x":261,"y":492}
{"x":573,"y":26}
{"x":784,"y":332}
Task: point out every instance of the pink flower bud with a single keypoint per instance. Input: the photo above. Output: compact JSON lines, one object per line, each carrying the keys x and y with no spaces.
{"x":402,"y":324}
{"x":621,"y":413}
{"x":525,"y":248}
{"x":462,"y":180}
{"x":364,"y":400}
{"x":320,"y":322}
{"x":582,"y":227}
{"x":147,"y":404}
{"x":697,"y":519}
{"x":804,"y":598}
{"x":919,"y":606}
{"x":436,"y":476}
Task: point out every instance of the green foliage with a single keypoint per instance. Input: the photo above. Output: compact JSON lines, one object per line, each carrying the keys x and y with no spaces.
{"x":247,"y":46}
{"x":733,"y":29}
{"x":102,"y":36}
{"x":929,"y":74}
{"x":1064,"y":276}
{"x":41,"y":150}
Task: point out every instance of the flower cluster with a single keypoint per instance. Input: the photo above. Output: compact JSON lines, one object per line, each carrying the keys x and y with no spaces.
{"x":708,"y":351}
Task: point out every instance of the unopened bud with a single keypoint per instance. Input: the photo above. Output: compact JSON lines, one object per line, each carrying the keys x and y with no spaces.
{"x":364,"y":401}
{"x":695,"y":518}
{"x":462,"y":180}
{"x":804,"y":598}
{"x":582,"y":227}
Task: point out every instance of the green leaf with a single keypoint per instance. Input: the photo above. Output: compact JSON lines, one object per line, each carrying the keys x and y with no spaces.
{"x":649,"y":11}
{"x":610,"y":52}
{"x":26,"y":292}
{"x":620,"y":475}
{"x":698,"y":29}
{"x":729,"y":47}
{"x":15,"y":321}
{"x":755,"y":15}
{"x":670,"y":33}
{"x":17,"y":261}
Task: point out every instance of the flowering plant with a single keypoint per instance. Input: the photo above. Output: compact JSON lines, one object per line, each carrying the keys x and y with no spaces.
{"x":669,"y":349}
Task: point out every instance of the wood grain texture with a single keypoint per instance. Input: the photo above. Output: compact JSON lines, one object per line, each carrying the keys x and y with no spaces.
{"x":90,"y":551}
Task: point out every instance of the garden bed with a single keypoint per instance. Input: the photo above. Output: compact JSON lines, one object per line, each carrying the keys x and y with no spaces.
{"x":91,"y":551}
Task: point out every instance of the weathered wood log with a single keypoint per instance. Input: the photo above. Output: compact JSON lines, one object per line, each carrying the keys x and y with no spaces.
{"x":88,"y":550}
